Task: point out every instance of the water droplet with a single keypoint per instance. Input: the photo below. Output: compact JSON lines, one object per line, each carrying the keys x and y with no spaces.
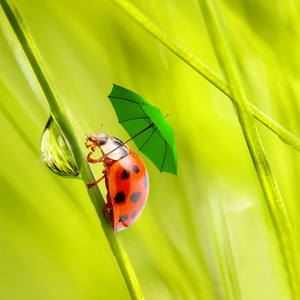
{"x":56,"y":152}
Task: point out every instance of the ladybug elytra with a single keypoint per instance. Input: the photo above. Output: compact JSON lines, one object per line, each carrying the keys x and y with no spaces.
{"x":126,"y":179}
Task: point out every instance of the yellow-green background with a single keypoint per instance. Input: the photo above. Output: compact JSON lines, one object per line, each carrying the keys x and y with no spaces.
{"x":205,"y":234}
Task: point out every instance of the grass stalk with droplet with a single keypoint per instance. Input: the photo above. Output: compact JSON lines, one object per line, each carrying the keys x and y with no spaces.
{"x":58,"y":113}
{"x":206,"y":72}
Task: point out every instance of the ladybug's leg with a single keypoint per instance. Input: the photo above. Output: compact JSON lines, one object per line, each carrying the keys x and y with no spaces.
{"x":108,"y":206}
{"x":96,"y":182}
{"x":92,"y":144}
{"x":94,"y":161}
{"x":88,"y":145}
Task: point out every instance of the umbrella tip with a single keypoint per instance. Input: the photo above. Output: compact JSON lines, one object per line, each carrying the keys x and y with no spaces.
{"x":166,"y":115}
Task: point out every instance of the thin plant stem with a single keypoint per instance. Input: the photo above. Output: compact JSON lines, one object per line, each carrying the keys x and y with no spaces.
{"x":221,"y":41}
{"x":58,"y":113}
{"x":202,"y":69}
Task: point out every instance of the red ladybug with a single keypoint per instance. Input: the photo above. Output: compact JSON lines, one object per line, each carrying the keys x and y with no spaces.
{"x":126,"y":179}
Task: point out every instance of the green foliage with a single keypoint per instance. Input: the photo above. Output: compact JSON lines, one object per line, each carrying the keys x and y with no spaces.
{"x":223,"y":48}
{"x":205,"y":234}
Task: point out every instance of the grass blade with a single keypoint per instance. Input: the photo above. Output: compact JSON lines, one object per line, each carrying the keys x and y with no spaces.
{"x":221,"y":42}
{"x":202,"y":69}
{"x":60,"y":116}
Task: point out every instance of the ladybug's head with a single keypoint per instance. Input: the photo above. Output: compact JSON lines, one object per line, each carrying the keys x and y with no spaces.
{"x":97,"y":139}
{"x":110,"y":146}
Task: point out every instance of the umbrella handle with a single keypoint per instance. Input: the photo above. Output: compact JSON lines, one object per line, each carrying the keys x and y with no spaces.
{"x":101,"y":158}
{"x":94,"y":161}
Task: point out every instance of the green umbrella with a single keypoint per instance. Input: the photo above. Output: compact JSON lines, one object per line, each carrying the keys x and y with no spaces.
{"x":147,"y":127}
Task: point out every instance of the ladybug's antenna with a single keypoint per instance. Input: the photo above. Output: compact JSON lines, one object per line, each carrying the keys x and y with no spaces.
{"x":101,"y":158}
{"x":101,"y":126}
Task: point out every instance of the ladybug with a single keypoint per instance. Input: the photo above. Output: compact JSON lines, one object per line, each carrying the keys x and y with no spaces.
{"x":126,"y":179}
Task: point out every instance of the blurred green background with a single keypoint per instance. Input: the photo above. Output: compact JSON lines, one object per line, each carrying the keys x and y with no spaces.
{"x":205,"y":234}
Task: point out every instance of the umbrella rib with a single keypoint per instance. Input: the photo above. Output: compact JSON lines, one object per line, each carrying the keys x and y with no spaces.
{"x":134,"y":119}
{"x":164,"y":157}
{"x":163,"y":138}
{"x":124,"y":99}
{"x":163,"y":162}
{"x":147,"y":139}
{"x":143,"y":111}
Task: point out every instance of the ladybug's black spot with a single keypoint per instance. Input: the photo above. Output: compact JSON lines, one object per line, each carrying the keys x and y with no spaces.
{"x":120,"y":197}
{"x":123,"y":218}
{"x":133,"y":215}
{"x":122,"y":151}
{"x":125,"y":174}
{"x":135,"y":197}
{"x":117,"y":144}
{"x":146,"y":181}
{"x":135,"y":168}
{"x":101,"y":141}
{"x":118,"y":140}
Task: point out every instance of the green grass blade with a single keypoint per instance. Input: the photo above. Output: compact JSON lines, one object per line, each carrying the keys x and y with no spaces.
{"x":225,"y":253}
{"x":221,"y":42}
{"x":202,"y":69}
{"x":59,"y":114}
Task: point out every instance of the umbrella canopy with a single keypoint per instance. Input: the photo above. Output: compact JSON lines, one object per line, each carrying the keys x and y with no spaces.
{"x":135,"y":114}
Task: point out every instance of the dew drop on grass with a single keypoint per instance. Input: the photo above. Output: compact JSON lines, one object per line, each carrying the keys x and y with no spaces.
{"x":56,"y":152}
